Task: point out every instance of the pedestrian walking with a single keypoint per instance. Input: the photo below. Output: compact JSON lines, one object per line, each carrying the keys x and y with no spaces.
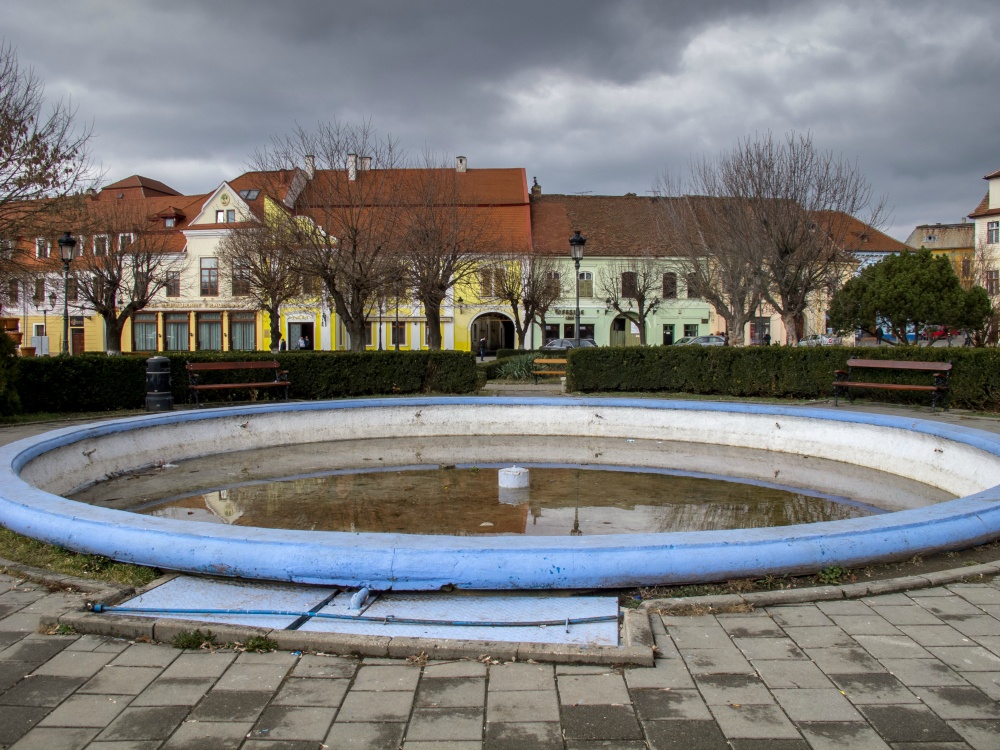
{"x":482,"y":349}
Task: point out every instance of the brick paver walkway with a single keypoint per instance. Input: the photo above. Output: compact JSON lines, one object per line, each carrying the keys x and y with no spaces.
{"x":905,"y":671}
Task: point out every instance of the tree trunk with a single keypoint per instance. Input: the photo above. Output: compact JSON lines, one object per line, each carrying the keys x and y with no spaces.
{"x":791,"y":339}
{"x":274,"y":313}
{"x":113,"y":328}
{"x":432,"y":312}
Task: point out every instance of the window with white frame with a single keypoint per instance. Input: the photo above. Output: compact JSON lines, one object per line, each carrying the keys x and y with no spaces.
{"x":42,"y":247}
{"x":173,"y":284}
{"x":992,"y":232}
{"x":220,"y":217}
{"x":993,"y":282}
{"x":124,"y":240}
{"x":586,"y":284}
{"x":209,"y":277}
{"x":669,"y":285}
{"x":100,"y":245}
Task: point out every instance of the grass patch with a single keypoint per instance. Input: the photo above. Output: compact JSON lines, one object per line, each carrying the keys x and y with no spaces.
{"x":193,"y":639}
{"x":21,"y":549}
{"x":258,"y":644}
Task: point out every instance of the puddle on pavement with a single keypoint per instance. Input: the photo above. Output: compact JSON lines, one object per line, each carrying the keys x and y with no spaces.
{"x":400,"y":486}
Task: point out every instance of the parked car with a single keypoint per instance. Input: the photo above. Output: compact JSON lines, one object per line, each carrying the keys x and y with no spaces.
{"x":684,"y":340}
{"x":940,"y":332}
{"x":821,"y":339}
{"x":703,"y":341}
{"x":564,"y":345}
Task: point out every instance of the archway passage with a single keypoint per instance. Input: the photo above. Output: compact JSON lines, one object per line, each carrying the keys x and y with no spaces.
{"x":624,"y":332}
{"x":497,"y":329}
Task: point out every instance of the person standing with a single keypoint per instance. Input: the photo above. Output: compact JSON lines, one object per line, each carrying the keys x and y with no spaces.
{"x":308,"y":345}
{"x":482,"y":349}
{"x":282,"y":346}
{"x":302,"y":343}
{"x":879,"y":335}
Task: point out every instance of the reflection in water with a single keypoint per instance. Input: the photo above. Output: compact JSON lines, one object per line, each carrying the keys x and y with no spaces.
{"x":465,"y":501}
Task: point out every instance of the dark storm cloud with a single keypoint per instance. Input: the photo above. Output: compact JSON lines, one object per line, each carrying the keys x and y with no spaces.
{"x":589,"y":96}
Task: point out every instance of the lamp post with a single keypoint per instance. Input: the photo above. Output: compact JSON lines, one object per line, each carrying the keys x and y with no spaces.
{"x":66,"y":245}
{"x":576,"y":243}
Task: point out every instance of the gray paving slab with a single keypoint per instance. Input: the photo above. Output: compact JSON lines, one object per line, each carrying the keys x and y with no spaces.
{"x":515,"y":676}
{"x":302,"y":691}
{"x":816,"y":704}
{"x":231,"y":705}
{"x":87,"y":711}
{"x":445,"y":724}
{"x":371,"y":706}
{"x":55,"y":738}
{"x":522,"y":735}
{"x":908,"y":724}
{"x":580,"y":690}
{"x":886,"y":689}
{"x":723,"y":689}
{"x":600,"y":723}
{"x":685,"y":735}
{"x":297,"y":723}
{"x":652,"y":705}
{"x":522,"y":706}
{"x":365,"y":736}
{"x":451,"y":692}
{"x":666,"y":674}
{"x":217,"y":735}
{"x":980,"y":734}
{"x":842,"y":735}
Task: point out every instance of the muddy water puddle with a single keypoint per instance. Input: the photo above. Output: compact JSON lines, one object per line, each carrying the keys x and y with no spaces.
{"x":450,"y":486}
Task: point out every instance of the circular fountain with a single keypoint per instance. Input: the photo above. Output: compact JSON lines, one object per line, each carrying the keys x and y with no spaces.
{"x":962,"y":462}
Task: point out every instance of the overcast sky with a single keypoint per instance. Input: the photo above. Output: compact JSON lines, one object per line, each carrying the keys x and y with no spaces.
{"x":590,"y":97}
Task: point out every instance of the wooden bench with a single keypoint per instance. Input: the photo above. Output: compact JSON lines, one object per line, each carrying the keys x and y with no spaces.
{"x":195,"y":371}
{"x":939,"y":372}
{"x":545,"y":370}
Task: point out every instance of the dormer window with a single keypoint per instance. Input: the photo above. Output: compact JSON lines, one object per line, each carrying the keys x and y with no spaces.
{"x":170,"y":222}
{"x":249,"y":195}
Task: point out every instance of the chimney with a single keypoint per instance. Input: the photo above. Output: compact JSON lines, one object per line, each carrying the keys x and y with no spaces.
{"x":310,"y":166}
{"x":536,"y":189}
{"x":366,"y":163}
{"x":461,"y":163}
{"x":352,"y":167}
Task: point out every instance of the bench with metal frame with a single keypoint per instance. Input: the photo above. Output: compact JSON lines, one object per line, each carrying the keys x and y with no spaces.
{"x":196,"y":369}
{"x":938,"y":371}
{"x":545,"y":370}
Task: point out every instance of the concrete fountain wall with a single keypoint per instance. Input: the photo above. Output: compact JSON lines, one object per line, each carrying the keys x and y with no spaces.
{"x":961,"y":461}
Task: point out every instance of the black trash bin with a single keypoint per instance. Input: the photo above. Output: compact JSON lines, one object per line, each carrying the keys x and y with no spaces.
{"x":158,"y":394}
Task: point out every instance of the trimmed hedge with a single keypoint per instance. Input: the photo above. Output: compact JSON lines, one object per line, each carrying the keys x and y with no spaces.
{"x":95,"y":382}
{"x":779,"y":371}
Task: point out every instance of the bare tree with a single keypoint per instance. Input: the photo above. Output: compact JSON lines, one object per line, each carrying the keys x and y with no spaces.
{"x":43,"y":160}
{"x":123,"y":265}
{"x":256,"y":258}
{"x":802,"y":203}
{"x":525,"y":284}
{"x":633,"y":287}
{"x":344,"y":208}
{"x":447,"y":235}
{"x":986,"y":275}
{"x":709,"y":232}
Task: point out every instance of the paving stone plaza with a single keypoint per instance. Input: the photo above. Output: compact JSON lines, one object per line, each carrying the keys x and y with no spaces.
{"x":910,"y":671}
{"x":918,"y":670}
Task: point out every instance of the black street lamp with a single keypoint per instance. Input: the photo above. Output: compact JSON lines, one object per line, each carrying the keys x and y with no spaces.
{"x":66,"y":245}
{"x":576,"y":243}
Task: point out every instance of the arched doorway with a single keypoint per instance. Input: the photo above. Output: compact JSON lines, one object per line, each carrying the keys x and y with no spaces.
{"x":624,"y":332}
{"x":498,"y":330}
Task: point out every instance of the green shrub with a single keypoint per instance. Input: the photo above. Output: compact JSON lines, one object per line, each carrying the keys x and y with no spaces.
{"x":515,"y":368}
{"x":96,"y":382}
{"x":504,"y":353}
{"x":10,"y":401}
{"x":779,"y":372}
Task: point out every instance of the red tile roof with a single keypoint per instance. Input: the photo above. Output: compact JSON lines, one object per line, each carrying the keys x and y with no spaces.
{"x":983,"y":209}
{"x":136,"y":186}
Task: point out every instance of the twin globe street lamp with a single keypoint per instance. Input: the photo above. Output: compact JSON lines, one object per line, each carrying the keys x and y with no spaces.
{"x":66,"y":245}
{"x":576,"y":243}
